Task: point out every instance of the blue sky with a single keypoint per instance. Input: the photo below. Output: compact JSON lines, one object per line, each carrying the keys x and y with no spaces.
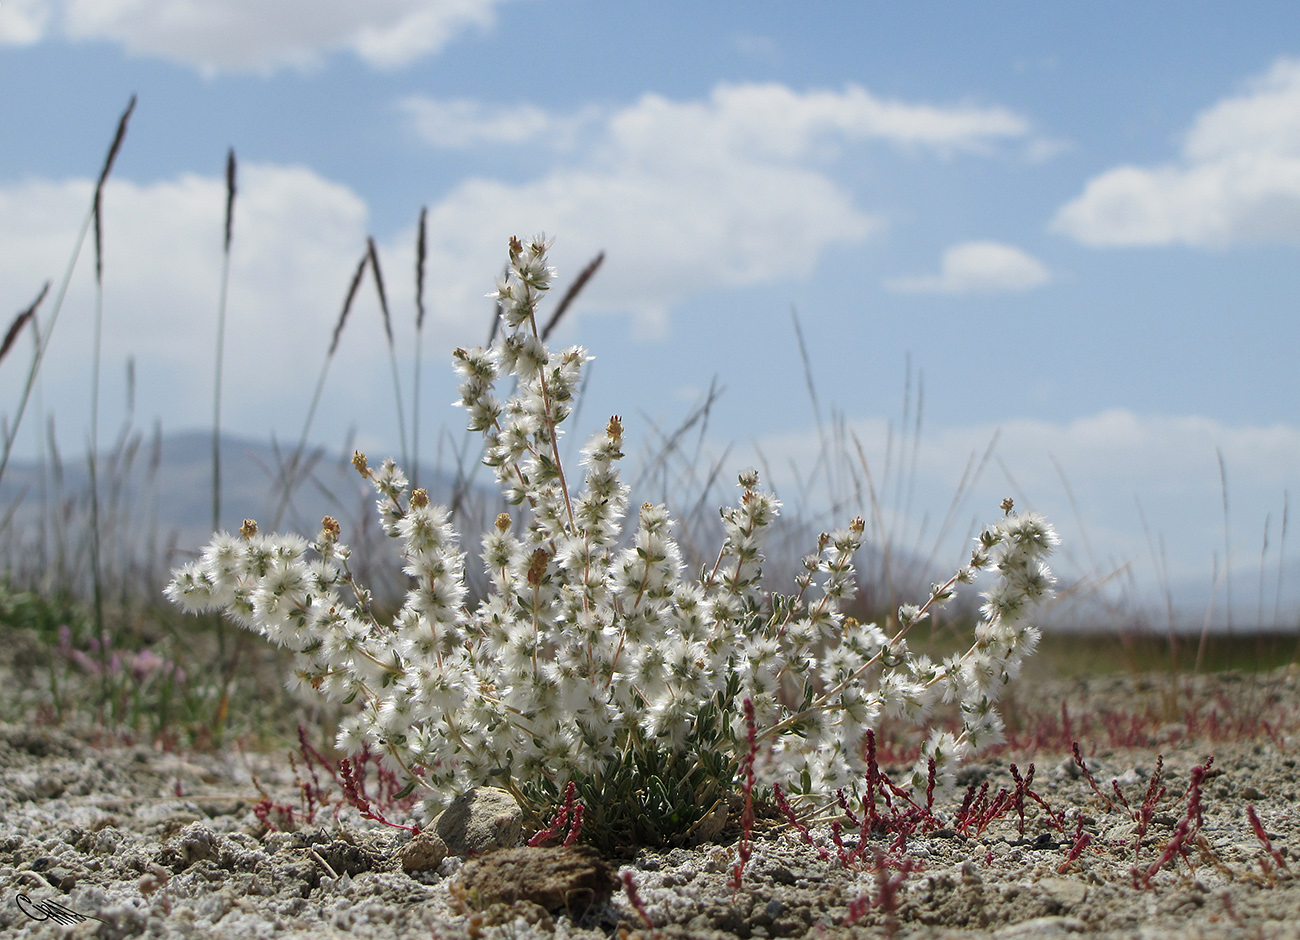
{"x":1075,"y":228}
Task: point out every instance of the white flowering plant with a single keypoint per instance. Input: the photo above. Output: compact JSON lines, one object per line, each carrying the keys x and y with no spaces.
{"x":594,"y":658}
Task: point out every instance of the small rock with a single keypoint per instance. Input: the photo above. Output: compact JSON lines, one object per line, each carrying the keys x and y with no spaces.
{"x":195,"y":843}
{"x":709,"y":826}
{"x":1040,"y":928}
{"x":569,"y":878}
{"x":480,"y":820}
{"x":1066,"y":893}
{"x":425,"y":852}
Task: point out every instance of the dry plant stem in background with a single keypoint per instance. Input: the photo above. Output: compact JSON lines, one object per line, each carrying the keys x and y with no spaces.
{"x":290,"y":474}
{"x":228,"y":231}
{"x":421,"y":251}
{"x":91,"y":218}
{"x":595,"y":658}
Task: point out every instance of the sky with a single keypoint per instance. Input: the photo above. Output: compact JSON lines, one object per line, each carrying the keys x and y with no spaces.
{"x":1069,"y":233}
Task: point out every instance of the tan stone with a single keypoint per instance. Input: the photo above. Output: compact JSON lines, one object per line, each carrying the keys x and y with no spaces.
{"x":480,"y":820}
{"x":425,"y":852}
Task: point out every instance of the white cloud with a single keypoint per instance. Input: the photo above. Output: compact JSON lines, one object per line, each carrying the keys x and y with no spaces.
{"x":780,"y":122}
{"x":253,"y":35}
{"x":977,"y":268}
{"x":297,"y":239}
{"x":1238,"y":179}
{"x":770,"y":120}
{"x":462,"y":124}
{"x":23,"y":22}
{"x":686,"y":196}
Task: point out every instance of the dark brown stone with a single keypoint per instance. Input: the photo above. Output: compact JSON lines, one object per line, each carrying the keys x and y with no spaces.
{"x":568,"y":878}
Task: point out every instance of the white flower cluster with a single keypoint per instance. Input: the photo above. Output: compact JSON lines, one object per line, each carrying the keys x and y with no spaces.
{"x":590,"y":645}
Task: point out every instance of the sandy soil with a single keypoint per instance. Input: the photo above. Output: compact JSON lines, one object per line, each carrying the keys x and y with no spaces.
{"x":156,"y":844}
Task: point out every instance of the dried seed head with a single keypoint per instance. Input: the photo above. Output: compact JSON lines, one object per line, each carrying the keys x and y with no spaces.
{"x":420,"y":498}
{"x":537,"y":567}
{"x":248,"y":529}
{"x":503,"y":522}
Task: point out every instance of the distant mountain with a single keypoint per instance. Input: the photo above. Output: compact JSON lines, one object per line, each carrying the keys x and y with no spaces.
{"x":155,"y":499}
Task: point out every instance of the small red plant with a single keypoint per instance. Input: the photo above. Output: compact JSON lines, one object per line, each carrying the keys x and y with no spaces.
{"x":788,"y":811}
{"x":569,"y":814}
{"x":1184,"y":833}
{"x":1087,"y":775}
{"x":634,"y":898}
{"x":977,"y":810}
{"x":1258,"y":828}
{"x":1081,"y":842}
{"x":887,"y":889}
{"x":745,"y":847}
{"x":902,"y":816}
{"x":1018,"y":798}
{"x":354,"y":791}
{"x":350,"y":778}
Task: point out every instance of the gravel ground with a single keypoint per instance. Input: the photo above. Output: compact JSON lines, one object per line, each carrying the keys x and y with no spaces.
{"x":141,"y":842}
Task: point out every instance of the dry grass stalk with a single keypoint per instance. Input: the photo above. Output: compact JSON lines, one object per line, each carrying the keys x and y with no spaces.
{"x":377,"y":271}
{"x":421,"y":254}
{"x":20,"y":321}
{"x":571,"y":294}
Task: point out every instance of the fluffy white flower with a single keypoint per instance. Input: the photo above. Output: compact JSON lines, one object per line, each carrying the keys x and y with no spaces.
{"x":592,"y":643}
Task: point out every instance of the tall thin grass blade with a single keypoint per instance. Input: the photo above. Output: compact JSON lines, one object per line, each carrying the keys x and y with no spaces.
{"x":113,"y":150}
{"x":1227,"y":539}
{"x":421,"y":252}
{"x":658,"y":462}
{"x":877,"y":515}
{"x":969,"y":479}
{"x":894,"y":475}
{"x":1160,"y":561}
{"x":1078,"y":514}
{"x":96,"y":566}
{"x":373,"y":254}
{"x":571,"y":294}
{"x":289,"y":474}
{"x":916,"y":448}
{"x":1281,"y":557}
{"x":20,"y":321}
{"x":1263,"y":560}
{"x":347,"y":304}
{"x":392,"y":348}
{"x":91,"y":216}
{"x":230,"y":199}
{"x":228,"y":234}
{"x":812,"y":397}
